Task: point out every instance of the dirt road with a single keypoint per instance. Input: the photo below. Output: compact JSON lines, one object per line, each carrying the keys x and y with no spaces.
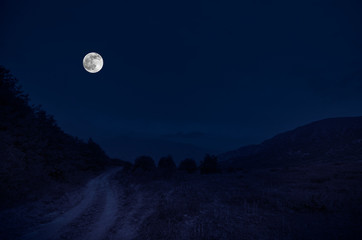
{"x":100,"y":214}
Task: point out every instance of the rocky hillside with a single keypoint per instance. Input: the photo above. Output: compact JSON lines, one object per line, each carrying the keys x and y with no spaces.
{"x":334,"y":139}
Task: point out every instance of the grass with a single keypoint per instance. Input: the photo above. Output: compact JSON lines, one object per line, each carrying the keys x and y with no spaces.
{"x":305,"y":202}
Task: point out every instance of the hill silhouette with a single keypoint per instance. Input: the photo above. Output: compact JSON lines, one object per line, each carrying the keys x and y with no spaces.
{"x":333,"y":139}
{"x":35,"y":153}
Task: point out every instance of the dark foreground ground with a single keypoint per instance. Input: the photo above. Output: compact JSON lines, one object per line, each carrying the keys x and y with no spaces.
{"x":319,"y":201}
{"x":307,"y":202}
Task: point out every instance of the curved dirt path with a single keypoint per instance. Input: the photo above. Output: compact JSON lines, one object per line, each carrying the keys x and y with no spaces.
{"x":90,"y":219}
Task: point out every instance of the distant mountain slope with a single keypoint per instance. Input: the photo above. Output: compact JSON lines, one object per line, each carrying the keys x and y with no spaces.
{"x":324,"y":140}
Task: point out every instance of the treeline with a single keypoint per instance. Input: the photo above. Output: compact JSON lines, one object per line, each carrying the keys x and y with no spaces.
{"x":33,"y":148}
{"x":166,"y":165}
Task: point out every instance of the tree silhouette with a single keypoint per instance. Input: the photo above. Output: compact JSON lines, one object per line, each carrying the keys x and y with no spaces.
{"x":188,"y":165}
{"x":144,"y":163}
{"x":209,"y":165}
{"x":167,"y":163}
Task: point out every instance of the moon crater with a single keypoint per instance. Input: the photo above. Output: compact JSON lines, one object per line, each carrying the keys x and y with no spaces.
{"x":93,"y":62}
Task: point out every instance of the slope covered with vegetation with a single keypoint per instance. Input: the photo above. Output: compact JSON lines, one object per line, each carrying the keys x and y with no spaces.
{"x":334,"y":139}
{"x":35,"y":154}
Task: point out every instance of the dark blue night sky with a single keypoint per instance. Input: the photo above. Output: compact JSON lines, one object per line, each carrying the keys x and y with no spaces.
{"x":241,"y":70}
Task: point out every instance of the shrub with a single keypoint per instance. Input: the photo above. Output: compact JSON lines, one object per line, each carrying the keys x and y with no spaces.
{"x":166,"y":163}
{"x":127,"y":166}
{"x":144,"y":163}
{"x":209,"y":165}
{"x":188,"y":165}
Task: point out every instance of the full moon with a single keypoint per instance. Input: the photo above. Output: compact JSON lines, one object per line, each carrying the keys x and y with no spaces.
{"x":93,"y":62}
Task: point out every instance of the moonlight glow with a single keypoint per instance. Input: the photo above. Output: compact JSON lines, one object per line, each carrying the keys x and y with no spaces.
{"x":93,"y":62}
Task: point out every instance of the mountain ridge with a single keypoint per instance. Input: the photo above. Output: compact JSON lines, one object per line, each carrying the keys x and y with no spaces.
{"x":323,"y":140}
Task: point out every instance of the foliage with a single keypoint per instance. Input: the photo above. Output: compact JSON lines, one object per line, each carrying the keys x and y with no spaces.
{"x":127,"y":166}
{"x":188,"y":165}
{"x":209,"y":165}
{"x":34,"y":149}
{"x":167,"y":163}
{"x":144,"y":163}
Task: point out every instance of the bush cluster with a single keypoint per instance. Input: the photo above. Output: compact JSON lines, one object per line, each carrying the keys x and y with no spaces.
{"x":167,"y":165}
